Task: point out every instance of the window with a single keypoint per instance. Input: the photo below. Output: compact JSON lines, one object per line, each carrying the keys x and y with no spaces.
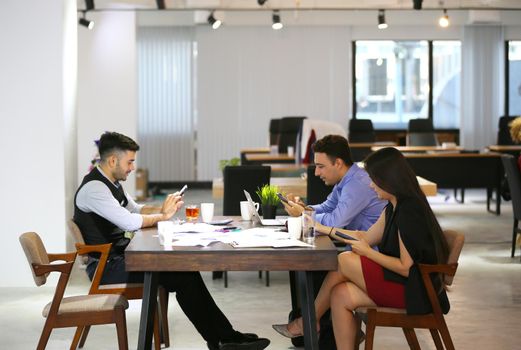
{"x":392,"y":81}
{"x":514,"y":77}
{"x":446,"y":78}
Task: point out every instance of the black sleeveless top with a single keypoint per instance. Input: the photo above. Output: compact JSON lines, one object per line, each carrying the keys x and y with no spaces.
{"x":96,"y":229}
{"x":409,"y":221}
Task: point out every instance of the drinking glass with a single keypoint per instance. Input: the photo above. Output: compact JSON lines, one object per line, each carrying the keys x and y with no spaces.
{"x":192,"y":212}
{"x":308,"y":226}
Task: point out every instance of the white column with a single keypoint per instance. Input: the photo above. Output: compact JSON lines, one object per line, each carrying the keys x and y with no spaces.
{"x":482,"y":95}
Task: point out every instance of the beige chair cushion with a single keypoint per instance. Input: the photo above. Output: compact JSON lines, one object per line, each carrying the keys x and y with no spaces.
{"x":89,"y":303}
{"x":36,"y":254}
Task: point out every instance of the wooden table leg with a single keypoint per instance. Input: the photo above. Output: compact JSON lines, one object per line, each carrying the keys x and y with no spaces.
{"x":146,"y":323}
{"x":305,"y":288}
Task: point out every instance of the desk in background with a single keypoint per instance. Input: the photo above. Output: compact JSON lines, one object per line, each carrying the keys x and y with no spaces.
{"x":261,"y":158}
{"x":298,"y":186}
{"x":145,"y":254}
{"x":461,"y":170}
{"x":405,"y":149}
{"x":360,"y":150}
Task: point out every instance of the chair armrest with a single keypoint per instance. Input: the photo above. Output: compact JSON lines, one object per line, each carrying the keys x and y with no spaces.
{"x":104,"y":250}
{"x":83,"y":249}
{"x":41,"y":269}
{"x":62,"y":256}
{"x":447,"y":269}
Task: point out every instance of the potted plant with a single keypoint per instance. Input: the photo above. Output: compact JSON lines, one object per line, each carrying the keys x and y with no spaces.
{"x":223,"y":163}
{"x":269,"y":200}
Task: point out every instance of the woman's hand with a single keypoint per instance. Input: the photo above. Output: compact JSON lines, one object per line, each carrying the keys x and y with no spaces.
{"x":360,"y":247}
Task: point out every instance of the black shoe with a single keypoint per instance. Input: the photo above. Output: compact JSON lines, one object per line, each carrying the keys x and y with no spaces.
{"x":247,"y":344}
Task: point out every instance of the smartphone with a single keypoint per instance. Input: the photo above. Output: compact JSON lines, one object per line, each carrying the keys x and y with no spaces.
{"x":183,"y":190}
{"x":282,"y":198}
{"x":343,"y":235}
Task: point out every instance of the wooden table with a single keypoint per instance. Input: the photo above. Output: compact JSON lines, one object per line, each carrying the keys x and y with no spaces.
{"x":422,"y":148}
{"x":295,"y":185}
{"x":261,"y":158}
{"x":371,"y":144}
{"x":256,"y":150}
{"x":298,"y":186}
{"x":146,"y":255}
{"x":505,"y":148}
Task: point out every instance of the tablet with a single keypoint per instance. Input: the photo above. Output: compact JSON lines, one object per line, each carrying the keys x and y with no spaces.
{"x":346,"y":236}
{"x":220,"y":222}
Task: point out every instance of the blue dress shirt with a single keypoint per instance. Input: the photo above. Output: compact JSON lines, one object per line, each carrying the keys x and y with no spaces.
{"x":352,"y":204}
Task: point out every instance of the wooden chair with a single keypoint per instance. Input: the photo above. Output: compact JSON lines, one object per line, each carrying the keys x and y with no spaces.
{"x":435,"y":322}
{"x":83,"y":310}
{"x":131,"y":291}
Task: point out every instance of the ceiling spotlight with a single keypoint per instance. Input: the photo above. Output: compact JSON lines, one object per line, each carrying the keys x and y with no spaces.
{"x":444,"y":21}
{"x":381,"y":20}
{"x":277,"y":24}
{"x":417,"y":4}
{"x":261,"y":2}
{"x":214,"y":22}
{"x":85,"y":22}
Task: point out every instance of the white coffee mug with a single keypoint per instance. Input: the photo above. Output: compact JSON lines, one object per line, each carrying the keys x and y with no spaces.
{"x":207,"y":211}
{"x":295,"y":227}
{"x":165,"y":231}
{"x":245,"y":210}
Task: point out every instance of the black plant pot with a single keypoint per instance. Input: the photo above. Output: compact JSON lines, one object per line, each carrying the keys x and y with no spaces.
{"x":269,"y":211}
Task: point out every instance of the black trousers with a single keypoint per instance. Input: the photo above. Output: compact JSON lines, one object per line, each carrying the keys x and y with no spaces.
{"x":191,"y":293}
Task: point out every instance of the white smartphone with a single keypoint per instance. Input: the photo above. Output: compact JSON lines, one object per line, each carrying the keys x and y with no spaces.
{"x":183,"y":190}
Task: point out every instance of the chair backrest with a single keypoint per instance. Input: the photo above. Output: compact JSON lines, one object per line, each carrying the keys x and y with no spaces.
{"x":361,"y":130}
{"x":317,"y":190}
{"x":514,"y":182}
{"x":503,"y":132}
{"x":35,"y":253}
{"x":75,"y":232}
{"x":420,"y":132}
{"x":289,"y":128}
{"x":274,"y":131}
{"x":455,"y":241}
{"x":239,"y":178}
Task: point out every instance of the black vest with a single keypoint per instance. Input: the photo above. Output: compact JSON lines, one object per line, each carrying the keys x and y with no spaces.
{"x":96,"y":229}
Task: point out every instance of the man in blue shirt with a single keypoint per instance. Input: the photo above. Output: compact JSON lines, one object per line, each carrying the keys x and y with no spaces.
{"x":352,"y":204}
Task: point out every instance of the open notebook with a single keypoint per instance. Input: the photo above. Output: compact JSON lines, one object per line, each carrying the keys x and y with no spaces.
{"x":256,"y":216}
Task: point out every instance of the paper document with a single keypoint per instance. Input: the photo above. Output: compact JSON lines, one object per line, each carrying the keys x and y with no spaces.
{"x":265,"y":237}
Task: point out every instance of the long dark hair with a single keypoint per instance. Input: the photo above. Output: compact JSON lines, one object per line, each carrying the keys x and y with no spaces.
{"x":390,"y":171}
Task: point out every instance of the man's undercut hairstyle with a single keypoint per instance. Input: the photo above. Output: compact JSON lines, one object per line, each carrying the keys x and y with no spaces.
{"x":334,"y":146}
{"x":111,"y":142}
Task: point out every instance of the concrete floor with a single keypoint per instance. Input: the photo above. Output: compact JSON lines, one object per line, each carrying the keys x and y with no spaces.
{"x":485,"y":298}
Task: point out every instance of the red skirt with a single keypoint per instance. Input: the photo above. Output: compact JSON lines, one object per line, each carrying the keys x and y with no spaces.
{"x":384,"y":293}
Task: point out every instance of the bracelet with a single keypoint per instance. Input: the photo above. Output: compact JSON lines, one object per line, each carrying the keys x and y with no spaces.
{"x":330,"y":231}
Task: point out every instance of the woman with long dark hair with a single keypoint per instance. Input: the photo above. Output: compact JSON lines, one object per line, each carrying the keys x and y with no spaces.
{"x":407,"y":233}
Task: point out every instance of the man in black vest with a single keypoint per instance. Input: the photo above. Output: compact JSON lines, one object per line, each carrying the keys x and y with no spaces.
{"x":105,"y":213}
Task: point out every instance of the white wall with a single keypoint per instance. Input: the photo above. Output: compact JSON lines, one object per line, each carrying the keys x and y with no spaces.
{"x":107,"y":84}
{"x":37,"y":103}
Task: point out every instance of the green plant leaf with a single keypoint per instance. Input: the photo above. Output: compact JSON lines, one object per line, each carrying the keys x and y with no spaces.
{"x":268,"y":195}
